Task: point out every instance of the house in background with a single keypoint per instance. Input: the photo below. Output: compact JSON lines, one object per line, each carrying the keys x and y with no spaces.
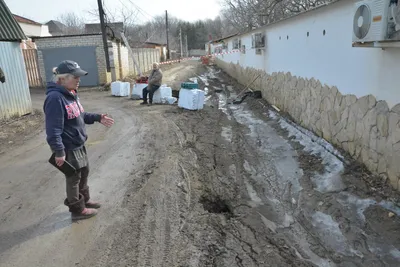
{"x":15,"y":99}
{"x":31,"y":29}
{"x":160,"y":46}
{"x":113,"y":29}
{"x":56,"y":28}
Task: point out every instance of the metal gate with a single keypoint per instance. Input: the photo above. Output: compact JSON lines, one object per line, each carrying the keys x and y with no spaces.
{"x":32,"y":67}
{"x":85,"y":56}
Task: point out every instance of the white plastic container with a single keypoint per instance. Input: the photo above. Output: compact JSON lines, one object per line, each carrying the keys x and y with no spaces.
{"x":162,"y":94}
{"x":191,"y":99}
{"x":137,"y":91}
{"x":120,"y":88}
{"x":201,"y":99}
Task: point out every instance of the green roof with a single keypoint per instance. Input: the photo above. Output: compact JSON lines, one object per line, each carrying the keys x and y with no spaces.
{"x":9,"y":27}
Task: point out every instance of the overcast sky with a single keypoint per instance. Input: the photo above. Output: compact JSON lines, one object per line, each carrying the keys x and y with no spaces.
{"x":45,"y":10}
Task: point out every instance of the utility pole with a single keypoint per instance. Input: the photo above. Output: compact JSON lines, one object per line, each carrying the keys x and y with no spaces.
{"x":103,"y":31}
{"x":180,"y":39}
{"x":166,"y":23}
{"x":187,"y":49}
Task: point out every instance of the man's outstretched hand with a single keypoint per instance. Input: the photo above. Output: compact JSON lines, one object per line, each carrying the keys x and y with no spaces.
{"x":106,"y":121}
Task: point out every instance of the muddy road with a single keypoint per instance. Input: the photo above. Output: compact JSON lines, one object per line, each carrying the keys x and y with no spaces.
{"x":230,"y":185}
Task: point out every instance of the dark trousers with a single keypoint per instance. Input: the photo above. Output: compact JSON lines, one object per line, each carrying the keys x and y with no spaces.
{"x":150,"y":91}
{"x":78,"y":190}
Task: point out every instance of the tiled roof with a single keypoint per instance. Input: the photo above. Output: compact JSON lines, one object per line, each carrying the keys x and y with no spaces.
{"x":9,"y":27}
{"x":25,"y":20}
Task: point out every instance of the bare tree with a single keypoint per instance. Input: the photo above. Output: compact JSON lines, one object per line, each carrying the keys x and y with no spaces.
{"x":247,"y":14}
{"x":74,"y":24}
{"x":127,"y":16}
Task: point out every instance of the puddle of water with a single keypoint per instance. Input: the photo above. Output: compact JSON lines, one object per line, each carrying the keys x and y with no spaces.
{"x":330,"y":233}
{"x":395,"y":253}
{"x":222,"y":105}
{"x":273,"y":147}
{"x":248,"y":168}
{"x":330,"y":181}
{"x":252,"y":193}
{"x":269,"y":224}
{"x":390,"y":206}
{"x":386,"y":252}
{"x":288,"y":220}
{"x":204,"y":80}
{"x":356,"y":204}
{"x":227,"y":133}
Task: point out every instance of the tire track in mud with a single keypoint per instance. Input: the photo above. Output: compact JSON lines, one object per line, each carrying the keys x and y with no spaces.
{"x":150,"y":232}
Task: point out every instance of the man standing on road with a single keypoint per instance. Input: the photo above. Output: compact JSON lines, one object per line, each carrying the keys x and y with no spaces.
{"x":66,"y":135}
{"x":155,"y":80}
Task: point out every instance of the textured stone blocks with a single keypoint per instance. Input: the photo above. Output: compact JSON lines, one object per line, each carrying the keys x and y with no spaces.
{"x":367,"y":129}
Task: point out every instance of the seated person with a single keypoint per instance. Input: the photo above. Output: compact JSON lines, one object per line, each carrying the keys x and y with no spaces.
{"x":155,"y":80}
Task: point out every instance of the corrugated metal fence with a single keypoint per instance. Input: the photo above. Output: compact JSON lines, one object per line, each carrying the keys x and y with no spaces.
{"x":32,"y":67}
{"x":15,"y":99}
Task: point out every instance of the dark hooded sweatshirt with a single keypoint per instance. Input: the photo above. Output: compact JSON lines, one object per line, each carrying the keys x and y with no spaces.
{"x":65,"y":120}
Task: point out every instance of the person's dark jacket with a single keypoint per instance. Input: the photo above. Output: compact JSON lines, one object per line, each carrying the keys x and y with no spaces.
{"x":65,"y":120}
{"x":2,"y":77}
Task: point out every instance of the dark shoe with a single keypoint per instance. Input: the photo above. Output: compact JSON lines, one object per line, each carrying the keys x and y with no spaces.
{"x":92,"y":205}
{"x":144,"y":103}
{"x":85,"y":214}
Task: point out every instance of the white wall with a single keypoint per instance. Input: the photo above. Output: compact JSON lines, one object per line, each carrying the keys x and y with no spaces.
{"x":35,"y":30}
{"x":330,"y":58}
{"x":247,"y":59}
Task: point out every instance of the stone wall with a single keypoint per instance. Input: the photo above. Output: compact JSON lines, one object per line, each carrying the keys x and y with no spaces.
{"x":364,"y":127}
{"x":72,"y":41}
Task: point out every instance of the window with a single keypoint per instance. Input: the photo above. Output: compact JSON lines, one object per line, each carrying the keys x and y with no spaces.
{"x":258,"y":40}
{"x":243,"y":49}
{"x":258,"y":51}
{"x":237,"y":43}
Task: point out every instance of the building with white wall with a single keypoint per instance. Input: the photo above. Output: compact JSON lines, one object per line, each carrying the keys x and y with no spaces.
{"x":31,"y":29}
{"x":347,"y":92}
{"x":318,"y":44}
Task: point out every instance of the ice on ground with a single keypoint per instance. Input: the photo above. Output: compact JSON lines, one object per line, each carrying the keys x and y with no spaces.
{"x":227,"y":133}
{"x":204,"y":80}
{"x":356,"y":204}
{"x":272,"y":147}
{"x":330,"y":233}
{"x":252,"y":193}
{"x":330,"y":180}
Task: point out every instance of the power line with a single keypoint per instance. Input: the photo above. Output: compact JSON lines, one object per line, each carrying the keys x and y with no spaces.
{"x":140,"y":9}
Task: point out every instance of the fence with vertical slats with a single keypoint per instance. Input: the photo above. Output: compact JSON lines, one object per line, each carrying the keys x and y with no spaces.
{"x":145,"y":57}
{"x":32,"y":67}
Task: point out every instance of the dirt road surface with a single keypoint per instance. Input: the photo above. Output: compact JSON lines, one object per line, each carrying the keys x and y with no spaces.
{"x":229,"y":185}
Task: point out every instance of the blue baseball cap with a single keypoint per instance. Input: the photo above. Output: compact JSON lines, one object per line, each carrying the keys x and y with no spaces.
{"x":70,"y":67}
